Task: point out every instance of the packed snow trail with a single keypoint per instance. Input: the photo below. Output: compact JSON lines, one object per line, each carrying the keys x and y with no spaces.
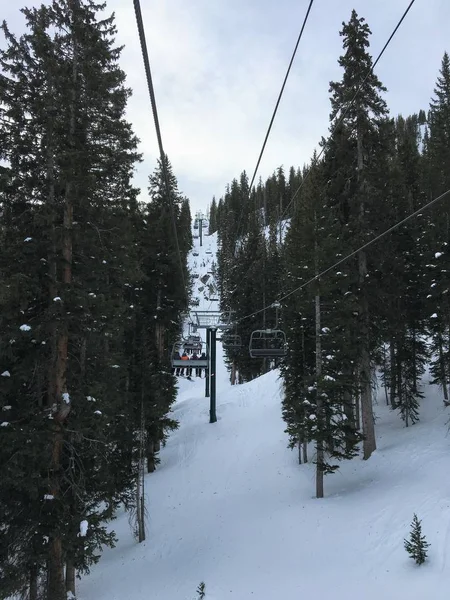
{"x":229,"y":505}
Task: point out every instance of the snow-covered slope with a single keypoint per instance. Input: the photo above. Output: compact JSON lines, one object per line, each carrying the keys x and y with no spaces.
{"x":229,"y":505}
{"x":201,"y":262}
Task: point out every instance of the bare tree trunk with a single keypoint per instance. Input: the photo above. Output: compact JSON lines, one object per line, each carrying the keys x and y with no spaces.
{"x":33,"y":592}
{"x":369,"y":443}
{"x":399,"y":375}
{"x":319,"y":399}
{"x":414,"y":358}
{"x":392,"y":361}
{"x":56,"y":586}
{"x":357,"y":406}
{"x":305,"y":451}
{"x":140,"y":505}
{"x":442,"y":373}
{"x":320,"y":416}
{"x":151,"y":465}
{"x":140,"y":479}
{"x":60,"y":400}
{"x":303,"y":440}
{"x":70,"y":576}
{"x":349,"y":409}
{"x":385,"y":369}
{"x":302,"y":447}
{"x":406,"y":403}
{"x":233,"y":373}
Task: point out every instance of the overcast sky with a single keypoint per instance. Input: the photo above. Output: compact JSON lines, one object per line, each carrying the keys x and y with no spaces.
{"x":218,"y":66}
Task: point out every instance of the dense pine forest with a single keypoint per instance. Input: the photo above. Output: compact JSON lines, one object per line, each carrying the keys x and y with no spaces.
{"x":387,"y":306}
{"x":88,"y":300}
{"x":94,"y":285}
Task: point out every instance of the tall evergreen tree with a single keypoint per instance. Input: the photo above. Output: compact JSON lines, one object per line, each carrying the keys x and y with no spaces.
{"x":71,"y":288}
{"x":437,"y":181}
{"x":213,"y":217}
{"x":318,"y":375}
{"x":360,"y":111}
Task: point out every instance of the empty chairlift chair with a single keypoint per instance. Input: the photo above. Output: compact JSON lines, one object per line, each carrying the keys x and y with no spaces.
{"x":267,"y":343}
{"x":231,"y":341}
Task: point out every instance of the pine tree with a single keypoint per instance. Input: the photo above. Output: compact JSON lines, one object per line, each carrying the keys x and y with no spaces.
{"x":317,"y":373}
{"x":401,"y":272}
{"x":201,"y":591}
{"x":355,"y":153}
{"x":213,"y":217}
{"x":71,"y":155}
{"x":437,"y":181}
{"x":245,"y":283}
{"x":417,"y":545}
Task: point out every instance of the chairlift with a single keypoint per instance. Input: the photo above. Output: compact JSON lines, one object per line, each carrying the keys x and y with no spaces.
{"x":268,"y":343}
{"x":231,"y":341}
{"x":178,"y":362}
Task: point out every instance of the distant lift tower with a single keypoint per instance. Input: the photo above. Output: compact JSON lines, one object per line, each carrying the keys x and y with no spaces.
{"x":199,"y":216}
{"x":211,"y":320}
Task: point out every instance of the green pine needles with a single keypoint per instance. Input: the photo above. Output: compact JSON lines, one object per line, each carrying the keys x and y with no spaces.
{"x":417,"y":545}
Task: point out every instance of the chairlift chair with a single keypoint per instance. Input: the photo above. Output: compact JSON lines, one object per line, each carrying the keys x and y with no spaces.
{"x":267,"y":343}
{"x":231,"y":341}
{"x":177,"y":362}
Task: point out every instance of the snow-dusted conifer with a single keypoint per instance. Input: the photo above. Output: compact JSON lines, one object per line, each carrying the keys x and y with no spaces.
{"x":416,"y":546}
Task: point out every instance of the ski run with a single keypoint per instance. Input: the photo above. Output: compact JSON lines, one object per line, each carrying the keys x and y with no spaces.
{"x":230,"y":505}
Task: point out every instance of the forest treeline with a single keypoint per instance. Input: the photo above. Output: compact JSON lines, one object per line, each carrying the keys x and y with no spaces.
{"x":386,"y":307}
{"x":91,"y":298}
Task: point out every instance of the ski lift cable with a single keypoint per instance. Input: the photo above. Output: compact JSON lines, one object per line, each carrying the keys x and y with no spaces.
{"x":345,"y":112}
{"x":148,"y":73}
{"x":342,"y":260}
{"x":342,"y":117}
{"x":280,"y":94}
{"x":277,"y":104}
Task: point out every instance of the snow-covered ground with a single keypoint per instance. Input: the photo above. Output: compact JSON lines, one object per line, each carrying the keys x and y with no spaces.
{"x":230,"y":506}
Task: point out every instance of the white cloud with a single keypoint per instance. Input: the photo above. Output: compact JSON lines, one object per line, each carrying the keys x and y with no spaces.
{"x":218,"y":68}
